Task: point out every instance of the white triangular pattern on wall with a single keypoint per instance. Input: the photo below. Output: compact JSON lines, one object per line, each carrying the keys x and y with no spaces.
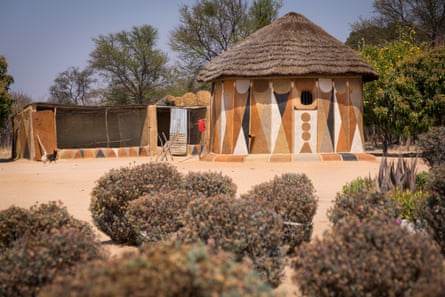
{"x":337,"y":121}
{"x":275,"y":122}
{"x":241,"y":145}
{"x":356,"y":101}
{"x":223,"y":121}
{"x":356,"y":145}
{"x":266,"y":120}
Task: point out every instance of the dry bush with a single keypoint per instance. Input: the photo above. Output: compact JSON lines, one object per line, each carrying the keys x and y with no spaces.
{"x":164,"y":270}
{"x":376,"y":257}
{"x":293,"y":197}
{"x":39,"y":243}
{"x":114,"y":190}
{"x":156,"y":217}
{"x":242,"y":227}
{"x":209,"y":184}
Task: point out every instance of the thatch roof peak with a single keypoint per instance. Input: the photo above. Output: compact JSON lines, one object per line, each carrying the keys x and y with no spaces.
{"x":290,"y":46}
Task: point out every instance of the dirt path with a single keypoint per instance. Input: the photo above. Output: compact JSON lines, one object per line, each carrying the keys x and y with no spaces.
{"x":23,"y":182}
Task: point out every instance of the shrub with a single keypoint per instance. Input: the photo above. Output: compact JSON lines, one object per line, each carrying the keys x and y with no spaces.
{"x":239,"y":226}
{"x":164,"y":270}
{"x":114,"y":190}
{"x":359,"y":184}
{"x":421,"y":179}
{"x":362,"y":205}
{"x":209,"y":184}
{"x":430,"y":288}
{"x":155,"y":217}
{"x":372,"y":258}
{"x":407,"y":202}
{"x":432,"y":145}
{"x":430,"y":212}
{"x":15,"y":221}
{"x":46,"y":241}
{"x":292,"y":196}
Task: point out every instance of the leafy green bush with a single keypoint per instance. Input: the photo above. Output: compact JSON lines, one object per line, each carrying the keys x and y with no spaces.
{"x":239,"y":226}
{"x":362,"y":205}
{"x":155,"y":217}
{"x":372,"y":258}
{"x":164,"y":270}
{"x":407,"y":202}
{"x":209,"y":184}
{"x":292,"y":196}
{"x":46,"y":241}
{"x":359,"y":184}
{"x":432,"y":145}
{"x":421,"y":179}
{"x":430,"y":212}
{"x":114,"y":190}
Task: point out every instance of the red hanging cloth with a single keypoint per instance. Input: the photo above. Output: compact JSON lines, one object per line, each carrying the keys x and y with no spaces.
{"x":201,"y":125}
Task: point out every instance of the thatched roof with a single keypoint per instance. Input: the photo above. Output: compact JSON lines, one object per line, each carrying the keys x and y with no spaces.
{"x":290,"y":46}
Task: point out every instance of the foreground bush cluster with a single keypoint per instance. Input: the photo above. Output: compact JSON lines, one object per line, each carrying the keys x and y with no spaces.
{"x":39,"y":243}
{"x":382,"y":243}
{"x":197,"y":238}
{"x":159,"y":204}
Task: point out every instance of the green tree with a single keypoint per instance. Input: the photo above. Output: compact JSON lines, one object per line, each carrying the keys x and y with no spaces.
{"x":6,"y":100}
{"x":393,"y":104}
{"x":132,"y":66}
{"x":263,"y":13}
{"x":212,"y":26}
{"x":426,"y":71}
{"x":427,"y":17}
{"x":73,"y":86}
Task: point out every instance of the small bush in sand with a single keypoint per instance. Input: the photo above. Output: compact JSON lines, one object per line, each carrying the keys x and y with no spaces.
{"x":362,"y":205}
{"x":164,"y":270}
{"x":242,"y":227}
{"x":376,"y":257}
{"x":293,"y":197}
{"x":40,"y":243}
{"x":209,"y":184}
{"x":114,"y":190}
{"x":158,"y":216}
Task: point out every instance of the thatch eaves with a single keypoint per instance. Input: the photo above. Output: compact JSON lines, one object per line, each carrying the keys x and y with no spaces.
{"x":290,"y":46}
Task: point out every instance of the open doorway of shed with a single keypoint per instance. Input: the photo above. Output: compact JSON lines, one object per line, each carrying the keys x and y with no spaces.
{"x":164,"y":122}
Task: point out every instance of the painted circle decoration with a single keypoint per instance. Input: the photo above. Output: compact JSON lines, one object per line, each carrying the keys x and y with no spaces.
{"x":306,"y":136}
{"x":242,"y":86}
{"x":306,"y":126}
{"x":325,"y":84}
{"x":305,"y":117}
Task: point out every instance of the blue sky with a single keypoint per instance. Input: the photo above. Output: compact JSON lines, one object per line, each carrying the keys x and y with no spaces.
{"x":41,"y":38}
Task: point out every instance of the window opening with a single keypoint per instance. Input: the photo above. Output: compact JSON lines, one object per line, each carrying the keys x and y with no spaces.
{"x":306,"y":98}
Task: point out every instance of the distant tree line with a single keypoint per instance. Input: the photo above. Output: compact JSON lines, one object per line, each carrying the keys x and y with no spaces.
{"x":402,"y":41}
{"x":133,"y":71}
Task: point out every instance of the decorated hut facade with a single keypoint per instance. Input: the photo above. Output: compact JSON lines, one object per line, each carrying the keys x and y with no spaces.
{"x":288,"y":89}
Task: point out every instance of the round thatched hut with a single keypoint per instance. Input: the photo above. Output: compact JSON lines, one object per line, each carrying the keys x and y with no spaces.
{"x":290,"y":88}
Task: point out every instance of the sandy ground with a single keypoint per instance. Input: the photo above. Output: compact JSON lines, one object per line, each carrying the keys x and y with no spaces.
{"x":23,"y":183}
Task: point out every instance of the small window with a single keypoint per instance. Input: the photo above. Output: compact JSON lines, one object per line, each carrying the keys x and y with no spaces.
{"x":306,"y":98}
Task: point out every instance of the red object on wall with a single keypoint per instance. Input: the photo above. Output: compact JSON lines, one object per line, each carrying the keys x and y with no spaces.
{"x":201,"y":125}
